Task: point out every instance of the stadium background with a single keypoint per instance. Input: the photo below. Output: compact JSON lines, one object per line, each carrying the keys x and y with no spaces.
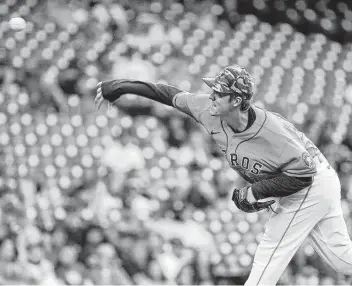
{"x":139,"y":194}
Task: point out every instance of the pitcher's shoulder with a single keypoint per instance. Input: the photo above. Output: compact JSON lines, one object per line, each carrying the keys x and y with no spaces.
{"x":277,"y":123}
{"x":199,"y":99}
{"x":192,"y":103}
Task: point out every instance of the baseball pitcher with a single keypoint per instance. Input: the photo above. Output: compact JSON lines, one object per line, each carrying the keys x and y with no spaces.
{"x":286,"y":171}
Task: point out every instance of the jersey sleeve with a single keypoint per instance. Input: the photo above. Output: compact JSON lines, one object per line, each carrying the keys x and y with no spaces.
{"x":163,"y":93}
{"x":190,"y":104}
{"x":296,"y":161}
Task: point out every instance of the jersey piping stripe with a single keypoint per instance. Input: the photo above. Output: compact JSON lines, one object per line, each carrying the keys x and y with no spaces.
{"x":227,"y":137}
{"x":327,"y":244}
{"x":253,"y":135}
{"x":272,"y":255}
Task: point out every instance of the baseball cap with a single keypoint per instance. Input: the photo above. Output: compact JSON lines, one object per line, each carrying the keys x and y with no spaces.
{"x":232,"y":79}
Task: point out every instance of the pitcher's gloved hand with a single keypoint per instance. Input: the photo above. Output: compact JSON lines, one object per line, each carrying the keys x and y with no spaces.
{"x":240,"y":199}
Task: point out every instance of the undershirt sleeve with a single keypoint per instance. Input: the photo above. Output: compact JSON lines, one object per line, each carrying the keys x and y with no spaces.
{"x":280,"y":186}
{"x":162,"y":93}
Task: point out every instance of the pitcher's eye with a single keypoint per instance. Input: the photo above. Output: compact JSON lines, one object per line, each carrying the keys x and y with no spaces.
{"x":218,"y":94}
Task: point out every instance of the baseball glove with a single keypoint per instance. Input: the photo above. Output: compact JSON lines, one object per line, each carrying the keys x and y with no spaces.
{"x":240,"y":199}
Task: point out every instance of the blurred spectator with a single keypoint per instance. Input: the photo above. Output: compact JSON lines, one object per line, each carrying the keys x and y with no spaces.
{"x":202,"y":193}
{"x":105,"y":268}
{"x":69,"y":270}
{"x":39,"y":269}
{"x":10,"y":269}
{"x":172,"y":260}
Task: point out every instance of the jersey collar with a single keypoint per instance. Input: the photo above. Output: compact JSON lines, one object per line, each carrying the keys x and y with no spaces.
{"x":253,"y":130}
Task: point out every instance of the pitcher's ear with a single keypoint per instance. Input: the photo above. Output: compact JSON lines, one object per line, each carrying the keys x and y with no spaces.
{"x":236,"y":101}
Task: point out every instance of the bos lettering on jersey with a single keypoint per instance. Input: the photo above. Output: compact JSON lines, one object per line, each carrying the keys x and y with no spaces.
{"x":247,"y":164}
{"x":251,"y":169}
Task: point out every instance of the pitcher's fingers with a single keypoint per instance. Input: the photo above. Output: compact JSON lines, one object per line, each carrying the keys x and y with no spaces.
{"x":265,"y":204}
{"x":100,"y":102}
{"x":96,"y":99}
{"x":99,"y":85}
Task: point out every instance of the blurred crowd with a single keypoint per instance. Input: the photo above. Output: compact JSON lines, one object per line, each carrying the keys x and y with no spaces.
{"x":331,"y":18}
{"x":138,"y":193}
